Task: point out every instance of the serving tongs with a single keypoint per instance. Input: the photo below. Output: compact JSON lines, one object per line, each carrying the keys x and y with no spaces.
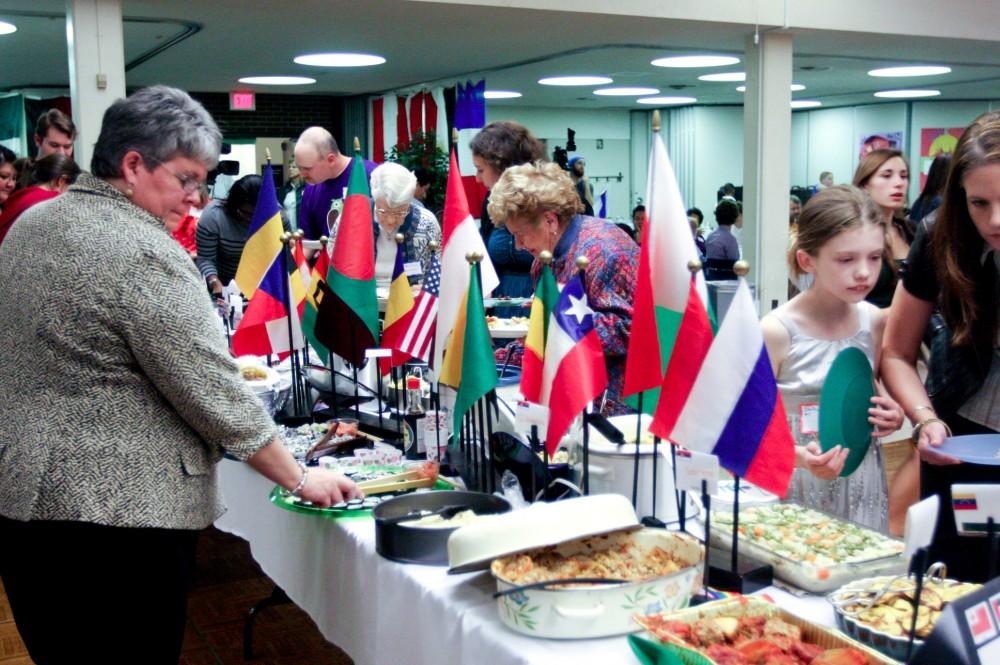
{"x":560,"y":582}
{"x":407,"y":480}
{"x":866,"y":599}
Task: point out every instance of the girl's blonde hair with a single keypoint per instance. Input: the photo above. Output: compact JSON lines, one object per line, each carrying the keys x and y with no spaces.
{"x":528,"y":190}
{"x":829,"y":213}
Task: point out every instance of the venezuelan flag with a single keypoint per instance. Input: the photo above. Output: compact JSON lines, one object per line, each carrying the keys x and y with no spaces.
{"x":263,"y":239}
{"x":398,"y":314}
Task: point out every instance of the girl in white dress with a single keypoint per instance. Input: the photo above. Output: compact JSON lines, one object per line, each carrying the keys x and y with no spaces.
{"x":840,"y":242}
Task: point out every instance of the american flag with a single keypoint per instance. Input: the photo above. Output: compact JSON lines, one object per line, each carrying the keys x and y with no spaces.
{"x":420,"y":335}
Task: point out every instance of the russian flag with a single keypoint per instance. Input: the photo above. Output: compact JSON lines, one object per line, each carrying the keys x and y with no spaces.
{"x":574,"y":373}
{"x":734,"y":410}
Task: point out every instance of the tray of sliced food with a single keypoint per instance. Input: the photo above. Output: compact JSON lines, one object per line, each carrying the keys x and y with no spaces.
{"x":809,"y":548}
{"x":878,"y":611}
{"x":750,"y":631}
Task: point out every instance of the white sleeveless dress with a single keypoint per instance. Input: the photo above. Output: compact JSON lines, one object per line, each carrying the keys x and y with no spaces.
{"x":862,"y":497}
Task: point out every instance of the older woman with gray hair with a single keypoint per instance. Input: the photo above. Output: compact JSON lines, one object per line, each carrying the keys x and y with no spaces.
{"x":120,"y":396}
{"x":395,"y":212}
{"x":540,"y":207}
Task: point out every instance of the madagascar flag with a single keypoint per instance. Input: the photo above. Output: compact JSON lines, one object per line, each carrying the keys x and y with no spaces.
{"x":347,"y":321}
{"x":311,"y":305}
{"x":469,"y":366}
{"x":546,"y":296}
{"x":398,"y":314}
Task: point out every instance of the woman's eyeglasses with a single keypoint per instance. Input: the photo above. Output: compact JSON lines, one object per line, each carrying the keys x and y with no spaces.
{"x":189,"y":183}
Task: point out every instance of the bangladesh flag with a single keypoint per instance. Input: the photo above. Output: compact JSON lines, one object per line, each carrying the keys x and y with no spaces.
{"x":546,"y":297}
{"x":469,"y":366}
{"x":347,"y":319}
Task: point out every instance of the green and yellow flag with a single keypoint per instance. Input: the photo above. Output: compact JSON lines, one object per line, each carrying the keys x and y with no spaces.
{"x":469,"y":366}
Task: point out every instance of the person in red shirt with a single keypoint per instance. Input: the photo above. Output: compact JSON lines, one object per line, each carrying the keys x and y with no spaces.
{"x":185,"y":230}
{"x":51,"y":176}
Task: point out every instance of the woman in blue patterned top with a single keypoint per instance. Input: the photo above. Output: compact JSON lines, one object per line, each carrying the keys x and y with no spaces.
{"x":539,"y":205}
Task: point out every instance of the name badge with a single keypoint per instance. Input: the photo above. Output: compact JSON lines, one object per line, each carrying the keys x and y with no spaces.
{"x":809,"y":418}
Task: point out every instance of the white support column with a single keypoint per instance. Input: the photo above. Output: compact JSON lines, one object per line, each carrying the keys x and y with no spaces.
{"x":96,"y":67}
{"x":767,"y":133}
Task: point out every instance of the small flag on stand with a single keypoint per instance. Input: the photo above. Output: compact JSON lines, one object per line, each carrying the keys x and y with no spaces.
{"x":734,"y":410}
{"x":347,"y":319}
{"x":469,"y":366}
{"x":663,"y":289}
{"x":533,"y":361}
{"x":398,"y":313}
{"x":460,"y":236}
{"x":263,"y":238}
{"x":419,"y":335}
{"x":574,"y":372}
{"x":313,"y":293}
{"x":264,"y":328}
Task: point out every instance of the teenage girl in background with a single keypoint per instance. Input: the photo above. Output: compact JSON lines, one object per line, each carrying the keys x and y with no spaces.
{"x":885,"y":175}
{"x":840,"y":241}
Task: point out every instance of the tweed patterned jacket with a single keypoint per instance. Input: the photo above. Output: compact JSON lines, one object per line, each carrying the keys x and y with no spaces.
{"x":117,"y":392}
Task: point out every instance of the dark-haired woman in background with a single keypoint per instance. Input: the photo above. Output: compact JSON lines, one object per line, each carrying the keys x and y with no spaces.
{"x":930,"y":197}
{"x":498,"y":146}
{"x":51,"y":176}
{"x":885,"y":175}
{"x":222,"y":232}
{"x":8,"y":174}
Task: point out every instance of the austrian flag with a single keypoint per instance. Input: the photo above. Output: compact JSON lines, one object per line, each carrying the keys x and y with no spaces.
{"x":574,"y":373}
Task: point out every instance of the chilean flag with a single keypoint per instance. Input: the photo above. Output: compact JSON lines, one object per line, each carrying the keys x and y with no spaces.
{"x":574,"y":373}
{"x":734,"y":409}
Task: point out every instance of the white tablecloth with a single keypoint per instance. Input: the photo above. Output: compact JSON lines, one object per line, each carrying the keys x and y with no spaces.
{"x":386,"y":613}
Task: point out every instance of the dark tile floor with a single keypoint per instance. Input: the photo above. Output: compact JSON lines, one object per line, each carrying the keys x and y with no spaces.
{"x":227,"y":583}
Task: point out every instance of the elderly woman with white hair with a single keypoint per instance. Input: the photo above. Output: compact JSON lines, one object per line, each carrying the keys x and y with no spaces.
{"x":395,"y":212}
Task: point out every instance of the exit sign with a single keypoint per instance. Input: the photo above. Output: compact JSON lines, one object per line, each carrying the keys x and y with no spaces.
{"x":242,"y":100}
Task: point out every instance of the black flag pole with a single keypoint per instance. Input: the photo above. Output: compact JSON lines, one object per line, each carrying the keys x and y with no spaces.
{"x":635,"y":463}
{"x":491,"y":404}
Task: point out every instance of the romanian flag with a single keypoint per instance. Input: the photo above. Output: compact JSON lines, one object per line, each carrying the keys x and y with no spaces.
{"x":459,"y":236}
{"x":574,"y":373}
{"x":347,"y":319}
{"x":263,"y":238}
{"x":546,"y":296}
{"x":669,"y":307}
{"x":311,"y":304}
{"x":734,"y":410}
{"x":469,"y":366}
{"x":398,"y":315}
{"x":265,"y":325}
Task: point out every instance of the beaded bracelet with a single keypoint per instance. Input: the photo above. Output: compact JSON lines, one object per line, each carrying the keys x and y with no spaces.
{"x":920,"y":426}
{"x":302,"y":481}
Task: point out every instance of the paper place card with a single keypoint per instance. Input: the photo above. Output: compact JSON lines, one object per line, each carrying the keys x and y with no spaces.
{"x":413,"y":269}
{"x":529,"y":414}
{"x":921,"y":520}
{"x":378,"y":353}
{"x":694,"y":467}
{"x":973,"y":506}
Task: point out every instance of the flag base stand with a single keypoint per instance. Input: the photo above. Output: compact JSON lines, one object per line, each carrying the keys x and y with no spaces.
{"x":750,"y":574}
{"x":653,"y":522}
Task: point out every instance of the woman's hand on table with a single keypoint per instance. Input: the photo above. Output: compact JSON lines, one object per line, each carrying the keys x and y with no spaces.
{"x":932,"y":435}
{"x":825,"y":466}
{"x":325,"y":488}
{"x":886,"y":415}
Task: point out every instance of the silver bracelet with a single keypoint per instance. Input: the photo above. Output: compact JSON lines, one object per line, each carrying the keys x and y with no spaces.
{"x":302,"y":480}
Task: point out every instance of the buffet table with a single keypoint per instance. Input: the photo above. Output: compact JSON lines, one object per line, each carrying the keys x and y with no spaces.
{"x":379,"y":611}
